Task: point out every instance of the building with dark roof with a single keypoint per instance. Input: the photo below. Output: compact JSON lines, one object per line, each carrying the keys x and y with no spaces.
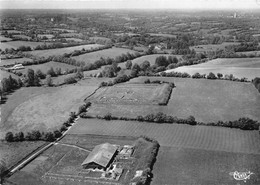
{"x":100,"y":157}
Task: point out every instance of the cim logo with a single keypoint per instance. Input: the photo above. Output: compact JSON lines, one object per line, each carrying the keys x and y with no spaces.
{"x":241,"y":176}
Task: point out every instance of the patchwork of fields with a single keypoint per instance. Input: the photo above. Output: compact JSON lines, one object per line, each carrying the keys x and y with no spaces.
{"x":175,"y":135}
{"x":60,"y":51}
{"x":94,"y":56}
{"x":149,"y":58}
{"x":14,"y":61}
{"x":206,"y":100}
{"x":239,"y":67}
{"x":17,"y":44}
{"x":46,"y":66}
{"x":212,"y":47}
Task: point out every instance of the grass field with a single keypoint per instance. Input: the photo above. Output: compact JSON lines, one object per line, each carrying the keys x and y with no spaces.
{"x":150,"y":58}
{"x":134,"y":94}
{"x":14,"y":31}
{"x":70,"y":34}
{"x":239,"y":67}
{"x":175,"y":135}
{"x":5,"y":74}
{"x":94,"y":56}
{"x":206,"y":100}
{"x":49,"y":36}
{"x":61,"y":51}
{"x":162,"y":35}
{"x":213,"y":47}
{"x":2,"y":38}
{"x":248,"y":53}
{"x":14,"y":61}
{"x":74,"y":39}
{"x":17,"y":44}
{"x":182,"y":166}
{"x":12,"y":153}
{"x":43,"y":108}
{"x":46,"y":66}
{"x":22,"y":36}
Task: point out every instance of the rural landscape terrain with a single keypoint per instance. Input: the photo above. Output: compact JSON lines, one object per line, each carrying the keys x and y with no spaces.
{"x":134,"y":97}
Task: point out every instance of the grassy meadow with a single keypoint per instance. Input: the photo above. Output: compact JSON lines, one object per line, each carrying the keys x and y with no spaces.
{"x":239,"y":67}
{"x":206,"y":100}
{"x":175,"y":135}
{"x":60,"y":51}
{"x":14,"y":61}
{"x":42,"y":108}
{"x":181,"y":166}
{"x":94,"y":56}
{"x":46,"y":66}
{"x":150,"y":58}
{"x":17,"y":44}
{"x":212,"y":47}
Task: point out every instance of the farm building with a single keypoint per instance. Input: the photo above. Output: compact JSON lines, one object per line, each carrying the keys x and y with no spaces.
{"x":100,"y":157}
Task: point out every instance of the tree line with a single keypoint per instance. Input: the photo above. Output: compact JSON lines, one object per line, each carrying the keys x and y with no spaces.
{"x":243,"y":123}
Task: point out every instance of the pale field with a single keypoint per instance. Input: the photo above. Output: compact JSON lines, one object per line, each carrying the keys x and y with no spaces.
{"x":43,"y":108}
{"x":239,"y":67}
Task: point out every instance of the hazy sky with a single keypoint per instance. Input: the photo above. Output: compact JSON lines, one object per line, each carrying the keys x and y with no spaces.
{"x":129,"y":4}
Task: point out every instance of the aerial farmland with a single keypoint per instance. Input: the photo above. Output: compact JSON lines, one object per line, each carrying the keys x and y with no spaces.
{"x":124,"y":96}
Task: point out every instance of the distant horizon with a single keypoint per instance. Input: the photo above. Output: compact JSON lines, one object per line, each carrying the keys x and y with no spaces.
{"x":131,"y":4}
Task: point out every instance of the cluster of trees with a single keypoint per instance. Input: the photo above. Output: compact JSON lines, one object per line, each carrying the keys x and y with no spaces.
{"x":9,"y":84}
{"x":118,"y":79}
{"x":247,"y":46}
{"x":256,"y":83}
{"x":243,"y":123}
{"x":24,"y":48}
{"x":75,"y":78}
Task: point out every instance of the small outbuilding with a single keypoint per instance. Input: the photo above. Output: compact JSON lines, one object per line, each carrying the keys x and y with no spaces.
{"x":100,"y":157}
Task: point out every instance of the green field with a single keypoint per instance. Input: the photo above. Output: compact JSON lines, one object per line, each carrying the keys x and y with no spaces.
{"x":213,"y":47}
{"x":17,"y":44}
{"x":134,"y":94}
{"x":70,"y":34}
{"x":42,"y":108}
{"x":206,"y":100}
{"x":74,"y":39}
{"x":239,"y":67}
{"x":150,"y":58}
{"x":94,"y":56}
{"x":162,"y":35}
{"x":46,"y":66}
{"x":60,"y":51}
{"x":14,"y":61}
{"x":182,"y":166}
{"x":5,"y":74}
{"x":12,"y":153}
{"x":249,"y":53}
{"x":2,"y":38}
{"x":175,"y":135}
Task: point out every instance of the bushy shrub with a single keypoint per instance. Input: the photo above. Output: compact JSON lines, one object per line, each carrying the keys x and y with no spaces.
{"x":70,"y":80}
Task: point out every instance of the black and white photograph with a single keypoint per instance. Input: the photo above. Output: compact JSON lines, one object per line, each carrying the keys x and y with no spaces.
{"x":129,"y":92}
